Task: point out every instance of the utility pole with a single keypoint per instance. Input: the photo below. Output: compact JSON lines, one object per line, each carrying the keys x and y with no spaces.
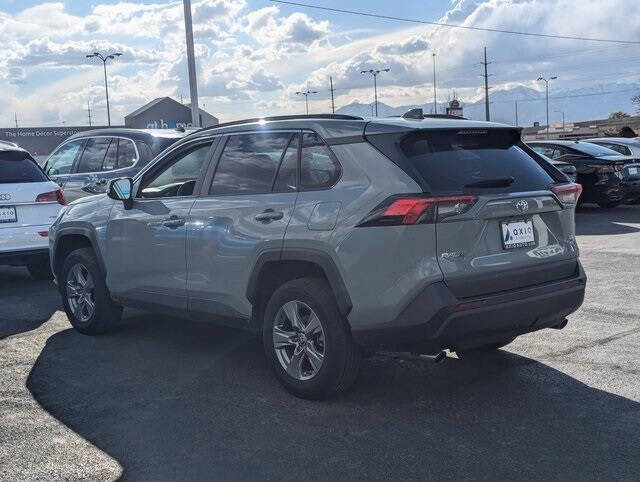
{"x":546,"y":82}
{"x":486,"y":87}
{"x":89,"y":112}
{"x":517,"y":113}
{"x":15,"y":117}
{"x":375,"y":74}
{"x":306,"y":94}
{"x":104,"y":59}
{"x":333,"y":106}
{"x":435,"y":102}
{"x":191,"y":63}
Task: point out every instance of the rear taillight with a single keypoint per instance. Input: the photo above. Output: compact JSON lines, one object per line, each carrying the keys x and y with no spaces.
{"x":408,"y":209}
{"x":568,"y":194}
{"x":52,"y":196}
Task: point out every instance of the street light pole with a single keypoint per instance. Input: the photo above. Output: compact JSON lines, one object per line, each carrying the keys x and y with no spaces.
{"x":435,"y":103}
{"x":546,"y":82}
{"x":191,"y":65}
{"x":306,"y":94}
{"x":375,"y":83}
{"x":104,"y":59}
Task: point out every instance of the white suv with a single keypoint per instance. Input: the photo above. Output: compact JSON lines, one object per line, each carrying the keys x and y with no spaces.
{"x":29,"y":204}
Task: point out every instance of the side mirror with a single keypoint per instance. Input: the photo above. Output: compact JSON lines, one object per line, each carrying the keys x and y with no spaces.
{"x":121,"y":189}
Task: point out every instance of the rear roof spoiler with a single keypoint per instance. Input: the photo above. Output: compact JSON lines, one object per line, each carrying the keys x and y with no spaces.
{"x":418,"y":114}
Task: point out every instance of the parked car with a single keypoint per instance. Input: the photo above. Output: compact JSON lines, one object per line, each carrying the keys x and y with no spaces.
{"x":567,"y":169}
{"x":629,"y":147}
{"x":333,"y":235}
{"x":83,"y":163}
{"x":599,"y":169}
{"x":29,"y":203}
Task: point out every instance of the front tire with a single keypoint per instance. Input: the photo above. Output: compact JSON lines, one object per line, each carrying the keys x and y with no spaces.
{"x":85,"y":296}
{"x":307,"y":341}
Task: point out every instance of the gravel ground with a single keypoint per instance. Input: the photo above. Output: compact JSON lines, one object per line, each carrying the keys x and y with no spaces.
{"x":162,"y":398}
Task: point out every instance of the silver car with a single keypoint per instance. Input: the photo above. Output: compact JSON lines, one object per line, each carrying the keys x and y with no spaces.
{"x":334,"y":236}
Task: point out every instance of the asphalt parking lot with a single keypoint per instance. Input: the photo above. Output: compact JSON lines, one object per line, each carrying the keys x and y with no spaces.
{"x":162,"y":398}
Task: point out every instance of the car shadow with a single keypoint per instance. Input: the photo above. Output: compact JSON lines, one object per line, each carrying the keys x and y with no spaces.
{"x":25,"y":303}
{"x":594,"y":220}
{"x":181,"y":400}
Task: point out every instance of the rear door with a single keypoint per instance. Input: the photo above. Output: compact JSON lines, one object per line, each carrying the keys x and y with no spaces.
{"x":516,"y":233}
{"x":244,"y":210}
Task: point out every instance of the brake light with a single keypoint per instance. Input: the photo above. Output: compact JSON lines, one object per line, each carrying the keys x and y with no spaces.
{"x":52,"y":196}
{"x":398,"y":210}
{"x":568,"y":194}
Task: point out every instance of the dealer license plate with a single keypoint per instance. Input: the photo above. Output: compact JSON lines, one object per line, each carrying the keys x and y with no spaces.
{"x":517,"y":234}
{"x":8,"y":214}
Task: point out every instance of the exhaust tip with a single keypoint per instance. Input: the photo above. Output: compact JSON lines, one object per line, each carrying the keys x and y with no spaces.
{"x":561,"y":325}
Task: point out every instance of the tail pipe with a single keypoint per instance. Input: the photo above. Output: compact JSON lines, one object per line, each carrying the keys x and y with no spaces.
{"x":561,"y":325}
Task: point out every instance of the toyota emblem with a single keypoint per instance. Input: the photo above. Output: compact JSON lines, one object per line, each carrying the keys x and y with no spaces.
{"x":522,"y":206}
{"x":5,"y":196}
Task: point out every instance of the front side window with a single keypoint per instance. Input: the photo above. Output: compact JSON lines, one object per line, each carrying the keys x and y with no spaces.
{"x":249,"y":163}
{"x":178,"y":178}
{"x":61,"y":161}
{"x":94,"y":154}
{"x":318,"y":170}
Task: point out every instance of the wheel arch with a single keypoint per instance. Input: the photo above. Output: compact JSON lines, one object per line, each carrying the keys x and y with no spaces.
{"x":71,"y":238}
{"x":276,"y":266}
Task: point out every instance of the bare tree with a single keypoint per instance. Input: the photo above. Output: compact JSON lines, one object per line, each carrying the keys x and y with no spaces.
{"x":618,"y":115}
{"x":635,"y":100}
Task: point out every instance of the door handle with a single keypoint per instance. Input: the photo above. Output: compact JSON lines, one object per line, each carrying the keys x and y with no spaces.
{"x":173,"y":222}
{"x":269,"y":215}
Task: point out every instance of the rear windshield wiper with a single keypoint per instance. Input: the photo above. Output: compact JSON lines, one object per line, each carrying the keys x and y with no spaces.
{"x":495,"y":182}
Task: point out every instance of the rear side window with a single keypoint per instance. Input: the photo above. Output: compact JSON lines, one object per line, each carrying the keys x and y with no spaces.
{"x":94,"y":154}
{"x":126,"y":153}
{"x":450,"y":160}
{"x":624,"y":150}
{"x":18,"y":166}
{"x":318,"y":169}
{"x":249,"y":163}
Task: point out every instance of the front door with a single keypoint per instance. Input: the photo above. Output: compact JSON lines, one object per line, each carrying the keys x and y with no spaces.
{"x":243,"y":212}
{"x":146,"y":244}
{"x":60,"y":162}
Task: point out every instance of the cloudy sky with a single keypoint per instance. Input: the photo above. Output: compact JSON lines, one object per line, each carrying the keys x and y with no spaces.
{"x":252,"y":55}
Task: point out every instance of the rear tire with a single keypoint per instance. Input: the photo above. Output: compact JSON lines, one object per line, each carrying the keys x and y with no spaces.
{"x":85,"y":296}
{"x":314,"y":358}
{"x":40,"y":270}
{"x":610,"y":204}
{"x":483,"y":350}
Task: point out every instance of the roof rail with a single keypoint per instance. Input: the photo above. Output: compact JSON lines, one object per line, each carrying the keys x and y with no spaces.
{"x":282,"y":118}
{"x":418,"y":114}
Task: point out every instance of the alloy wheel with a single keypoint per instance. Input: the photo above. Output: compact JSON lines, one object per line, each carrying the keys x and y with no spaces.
{"x":298,"y":340}
{"x":80,"y":292}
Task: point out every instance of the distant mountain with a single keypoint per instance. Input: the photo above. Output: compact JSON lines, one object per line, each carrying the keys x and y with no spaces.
{"x":587,"y":103}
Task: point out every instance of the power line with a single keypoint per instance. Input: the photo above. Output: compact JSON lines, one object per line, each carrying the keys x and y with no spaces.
{"x":467,"y":27}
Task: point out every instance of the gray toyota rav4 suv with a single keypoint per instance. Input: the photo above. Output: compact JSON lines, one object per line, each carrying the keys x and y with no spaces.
{"x":334,"y":236}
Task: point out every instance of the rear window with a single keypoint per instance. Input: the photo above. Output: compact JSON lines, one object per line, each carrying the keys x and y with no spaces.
{"x":450,"y":160}
{"x":18,"y":166}
{"x":592,"y":149}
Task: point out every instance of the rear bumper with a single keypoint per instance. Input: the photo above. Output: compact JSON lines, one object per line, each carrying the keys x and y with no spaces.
{"x":436,"y":319}
{"x":23,"y":257}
